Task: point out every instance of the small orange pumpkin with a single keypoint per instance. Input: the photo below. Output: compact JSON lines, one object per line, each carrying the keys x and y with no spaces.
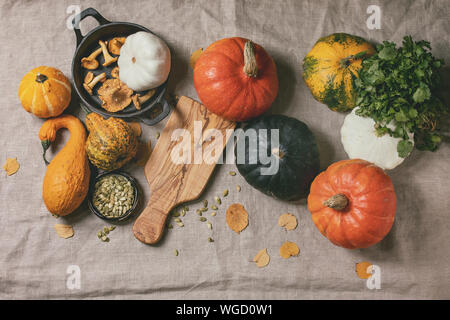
{"x":236,"y":79}
{"x":45,"y":92}
{"x":353,"y":203}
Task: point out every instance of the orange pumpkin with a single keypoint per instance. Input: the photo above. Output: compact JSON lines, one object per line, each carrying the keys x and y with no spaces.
{"x":236,"y":79}
{"x":45,"y":92}
{"x":353,"y":203}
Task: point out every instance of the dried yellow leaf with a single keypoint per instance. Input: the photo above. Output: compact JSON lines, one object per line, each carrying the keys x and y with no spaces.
{"x":361,"y":269}
{"x":136,"y":127}
{"x":287,"y":221}
{"x":11,"y":166}
{"x":143,"y":153}
{"x":237,"y":217}
{"x":64,"y":231}
{"x":194,"y":57}
{"x":262,"y":258}
{"x":289,"y":249}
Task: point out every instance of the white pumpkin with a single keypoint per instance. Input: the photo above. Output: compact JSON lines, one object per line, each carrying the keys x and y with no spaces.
{"x":144,"y":61}
{"x":360,"y":142}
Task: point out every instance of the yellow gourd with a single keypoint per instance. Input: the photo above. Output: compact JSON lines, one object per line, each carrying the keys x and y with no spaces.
{"x":66,"y":181}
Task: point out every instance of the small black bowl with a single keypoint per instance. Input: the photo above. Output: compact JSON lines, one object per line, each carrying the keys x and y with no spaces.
{"x":133,"y":206}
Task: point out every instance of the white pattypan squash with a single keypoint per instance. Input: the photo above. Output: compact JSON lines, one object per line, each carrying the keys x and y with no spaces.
{"x":360,"y":142}
{"x":144,"y":61}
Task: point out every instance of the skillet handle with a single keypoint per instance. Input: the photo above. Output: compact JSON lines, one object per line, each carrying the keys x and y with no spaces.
{"x":165,"y":111}
{"x":89,"y":12}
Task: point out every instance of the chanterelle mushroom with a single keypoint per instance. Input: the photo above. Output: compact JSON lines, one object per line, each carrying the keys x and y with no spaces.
{"x":115,"y":95}
{"x":115,"y":72}
{"x":108,"y":58}
{"x":90,"y":62}
{"x":115,"y":44}
{"x":138,"y":99}
{"x":89,"y":86}
{"x":89,"y":77}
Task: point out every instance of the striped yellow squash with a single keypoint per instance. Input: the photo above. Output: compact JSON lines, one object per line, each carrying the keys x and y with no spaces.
{"x":331,"y":68}
{"x":45,"y":92}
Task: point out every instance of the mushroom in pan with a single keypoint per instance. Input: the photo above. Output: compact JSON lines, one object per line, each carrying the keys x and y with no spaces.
{"x":115,"y":95}
{"x":138,"y":99}
{"x":88,"y":86}
{"x":90,"y":62}
{"x":108,"y":58}
{"x":115,"y":72}
{"x":89,"y":77}
{"x":115,"y":44}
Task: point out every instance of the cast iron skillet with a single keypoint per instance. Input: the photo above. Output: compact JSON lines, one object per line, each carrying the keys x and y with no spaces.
{"x":153,"y":110}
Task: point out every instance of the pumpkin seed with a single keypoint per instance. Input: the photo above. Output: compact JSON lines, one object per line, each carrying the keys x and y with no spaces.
{"x":175,"y":252}
{"x":213,"y":214}
{"x":225,"y":193}
{"x":113,"y":195}
{"x":177,"y":220}
{"x":204,"y":209}
{"x":180,"y":224}
{"x":214,"y":207}
{"x":112,"y":228}
{"x":238,"y":188}
{"x":157,"y":134}
{"x":232,"y":173}
{"x":205,"y":203}
{"x":199,"y":212}
{"x":202,"y":219}
{"x":105,"y":239}
{"x":217,"y":199}
{"x":209,"y":225}
{"x":176,"y":214}
{"x":99,"y":234}
{"x":170,"y":226}
{"x":210,"y":239}
{"x":186,"y":209}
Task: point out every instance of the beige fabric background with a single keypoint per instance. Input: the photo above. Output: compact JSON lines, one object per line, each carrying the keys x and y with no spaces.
{"x":414,"y":258}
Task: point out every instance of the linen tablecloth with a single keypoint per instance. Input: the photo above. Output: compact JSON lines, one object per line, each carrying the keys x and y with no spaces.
{"x":35,"y":263}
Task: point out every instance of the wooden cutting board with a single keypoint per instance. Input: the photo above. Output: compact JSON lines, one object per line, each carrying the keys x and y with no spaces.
{"x":170,"y":183}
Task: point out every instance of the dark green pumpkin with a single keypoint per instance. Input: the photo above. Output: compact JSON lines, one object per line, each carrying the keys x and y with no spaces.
{"x":298,"y":157}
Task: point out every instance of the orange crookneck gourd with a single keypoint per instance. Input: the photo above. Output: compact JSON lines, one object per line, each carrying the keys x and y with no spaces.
{"x":66,"y":180}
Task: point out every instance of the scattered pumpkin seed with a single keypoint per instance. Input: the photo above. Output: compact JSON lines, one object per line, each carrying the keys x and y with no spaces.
{"x":210,"y":239}
{"x":157,"y":134}
{"x":214,"y":207}
{"x":170,"y":226}
{"x":205,"y":203}
{"x":225,"y":193}
{"x":204,"y":209}
{"x":232,"y":173}
{"x":183,"y":213}
{"x":217,"y":199}
{"x":209,"y":225}
{"x":213,"y":214}
{"x":177,"y":220}
{"x":199,"y":212}
{"x":105,"y":239}
{"x":112,"y":228}
{"x":176,"y":214}
{"x":175,"y":252}
{"x":238,"y":188}
{"x":99,"y":234}
{"x":186,"y":209}
{"x":202,"y":219}
{"x":106,"y":230}
{"x":180,"y":224}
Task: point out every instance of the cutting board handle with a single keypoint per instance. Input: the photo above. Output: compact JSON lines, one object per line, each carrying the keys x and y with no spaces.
{"x":149,"y":227}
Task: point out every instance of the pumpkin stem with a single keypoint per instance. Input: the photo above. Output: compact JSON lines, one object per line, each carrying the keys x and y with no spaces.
{"x":345,"y":62}
{"x":277,"y":152}
{"x":45,"y":146}
{"x":41,"y":78}
{"x":251,"y":66}
{"x":337,"y":202}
